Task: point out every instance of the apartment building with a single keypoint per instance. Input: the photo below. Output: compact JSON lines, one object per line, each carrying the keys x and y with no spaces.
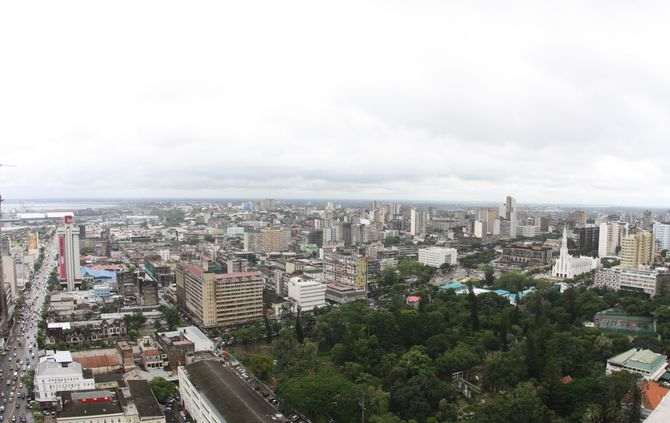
{"x":437,"y":256}
{"x":638,"y":249}
{"x":219,"y":299}
{"x":648,"y":281}
{"x":268,"y":240}
{"x":307,"y":294}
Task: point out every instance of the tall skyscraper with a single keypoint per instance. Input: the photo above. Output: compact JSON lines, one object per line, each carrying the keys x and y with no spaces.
{"x":662,"y":235}
{"x":418,"y":220}
{"x":610,"y":237}
{"x":638,"y":250}
{"x":68,"y":259}
{"x":588,"y":237}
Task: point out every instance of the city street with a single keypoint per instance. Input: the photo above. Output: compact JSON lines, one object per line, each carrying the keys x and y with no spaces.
{"x":20,"y":353}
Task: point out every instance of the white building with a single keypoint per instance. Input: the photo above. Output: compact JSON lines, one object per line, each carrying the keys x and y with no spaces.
{"x":54,"y":374}
{"x":437,"y":256}
{"x":609,"y":238}
{"x":527,"y":231}
{"x":648,"y":281}
{"x":478,"y":229}
{"x":200,"y":341}
{"x":662,"y":235}
{"x":567,"y":266}
{"x":306,"y":294}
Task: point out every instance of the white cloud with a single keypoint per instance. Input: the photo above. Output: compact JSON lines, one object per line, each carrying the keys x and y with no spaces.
{"x":419,"y":100}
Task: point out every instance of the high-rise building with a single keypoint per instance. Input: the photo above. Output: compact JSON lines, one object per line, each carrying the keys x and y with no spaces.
{"x":509,"y":226}
{"x":638,"y":250}
{"x":588,"y":239}
{"x":662,"y":235}
{"x":219,"y":299}
{"x":418,"y":220}
{"x":609,"y":238}
{"x":68,"y":259}
{"x":510,"y":207}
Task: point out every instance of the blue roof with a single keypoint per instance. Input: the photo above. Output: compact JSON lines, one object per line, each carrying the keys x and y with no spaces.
{"x":452,"y":285}
{"x":98,"y":274}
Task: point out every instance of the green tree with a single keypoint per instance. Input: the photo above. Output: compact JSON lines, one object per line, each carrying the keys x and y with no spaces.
{"x":162,"y":388}
{"x":323,"y":395}
{"x":260,"y":365}
{"x":522,"y":405}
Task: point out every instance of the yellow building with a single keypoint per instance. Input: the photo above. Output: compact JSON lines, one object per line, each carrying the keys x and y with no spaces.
{"x":638,"y":250}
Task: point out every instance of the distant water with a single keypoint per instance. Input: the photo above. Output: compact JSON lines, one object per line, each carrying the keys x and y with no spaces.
{"x":22,"y":206}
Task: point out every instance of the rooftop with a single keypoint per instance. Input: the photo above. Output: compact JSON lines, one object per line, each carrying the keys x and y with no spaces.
{"x":228,"y":394}
{"x":145,"y":401}
{"x":643,"y":360}
{"x":89,"y":403}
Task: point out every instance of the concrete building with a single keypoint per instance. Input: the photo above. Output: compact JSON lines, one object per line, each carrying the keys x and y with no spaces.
{"x":567,"y":266}
{"x":648,"y":364}
{"x":346,"y":276}
{"x":68,"y":257}
{"x":56,"y":373}
{"x":638,"y":250}
{"x":588,"y":237}
{"x":437,"y":256}
{"x":648,"y":281}
{"x":662,"y":235}
{"x":225,"y":299}
{"x":610,"y":236}
{"x":526,"y":254}
{"x":268,"y":240}
{"x":212,"y":393}
{"x":306,"y":293}
{"x":418,"y":222}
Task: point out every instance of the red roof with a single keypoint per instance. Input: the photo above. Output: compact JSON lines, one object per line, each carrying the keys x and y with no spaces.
{"x":652,"y":394}
{"x":413,"y":299}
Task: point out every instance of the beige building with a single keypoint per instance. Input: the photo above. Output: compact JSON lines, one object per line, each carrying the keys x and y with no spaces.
{"x":219,"y":299}
{"x":638,"y":250}
{"x":268,"y":240}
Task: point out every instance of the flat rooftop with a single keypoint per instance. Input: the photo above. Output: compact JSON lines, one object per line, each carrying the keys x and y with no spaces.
{"x":145,"y":401}
{"x":232,"y":398}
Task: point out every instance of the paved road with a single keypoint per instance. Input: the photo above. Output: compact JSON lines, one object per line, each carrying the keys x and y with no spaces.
{"x":21,"y":342}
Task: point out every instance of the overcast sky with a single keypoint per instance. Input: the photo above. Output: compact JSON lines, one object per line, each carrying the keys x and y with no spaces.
{"x":562,"y":102}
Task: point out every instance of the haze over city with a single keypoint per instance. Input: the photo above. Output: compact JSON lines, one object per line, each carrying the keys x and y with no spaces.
{"x":432,"y":101}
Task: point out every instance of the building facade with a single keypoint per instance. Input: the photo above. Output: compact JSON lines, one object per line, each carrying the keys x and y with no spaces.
{"x":662,"y":235}
{"x":68,"y":259}
{"x":220,"y":299}
{"x":567,"y":266}
{"x":638,"y":249}
{"x":52,"y":377}
{"x":648,"y":281}
{"x":306,"y":294}
{"x":437,"y":256}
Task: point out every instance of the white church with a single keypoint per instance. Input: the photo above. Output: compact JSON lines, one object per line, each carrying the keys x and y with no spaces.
{"x":567,"y":266}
